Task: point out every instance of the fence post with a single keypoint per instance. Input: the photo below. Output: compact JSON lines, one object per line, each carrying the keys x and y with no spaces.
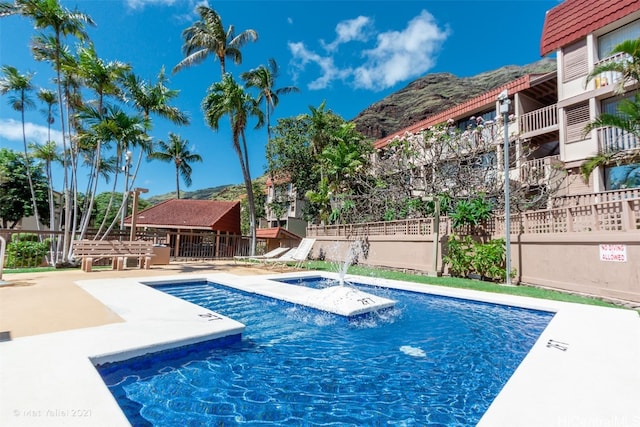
{"x":569,"y":220}
{"x":628,"y":219}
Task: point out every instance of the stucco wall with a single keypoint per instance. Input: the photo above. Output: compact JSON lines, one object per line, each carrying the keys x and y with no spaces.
{"x":566,"y":261}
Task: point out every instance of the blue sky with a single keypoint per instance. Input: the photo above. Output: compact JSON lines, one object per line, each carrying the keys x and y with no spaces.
{"x":349,"y":53}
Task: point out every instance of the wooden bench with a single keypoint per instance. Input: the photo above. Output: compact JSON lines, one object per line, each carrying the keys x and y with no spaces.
{"x":90,"y":250}
{"x":141,"y":249}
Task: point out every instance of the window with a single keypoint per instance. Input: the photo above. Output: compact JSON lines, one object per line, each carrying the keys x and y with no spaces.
{"x":608,"y":41}
{"x":621,"y":177}
{"x":610,"y":105}
{"x":574,"y":60}
{"x":577,"y":117}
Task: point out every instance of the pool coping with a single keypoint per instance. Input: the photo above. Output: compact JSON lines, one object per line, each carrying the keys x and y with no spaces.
{"x":583,"y":370}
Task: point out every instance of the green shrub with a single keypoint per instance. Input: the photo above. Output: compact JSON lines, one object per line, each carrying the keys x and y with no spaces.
{"x":466,"y":257}
{"x":471,"y":212}
{"x":459,"y":255}
{"x":26,"y":251}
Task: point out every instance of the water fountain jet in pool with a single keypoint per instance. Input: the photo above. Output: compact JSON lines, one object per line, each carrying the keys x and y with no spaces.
{"x":354,"y":252}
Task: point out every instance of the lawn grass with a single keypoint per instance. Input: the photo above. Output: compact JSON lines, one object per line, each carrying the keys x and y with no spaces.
{"x":456,"y":282}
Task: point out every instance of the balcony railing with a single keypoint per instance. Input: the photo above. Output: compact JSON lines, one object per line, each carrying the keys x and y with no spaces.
{"x":612,"y":139}
{"x":542,"y":119}
{"x":610,"y":77}
{"x":538,"y":171}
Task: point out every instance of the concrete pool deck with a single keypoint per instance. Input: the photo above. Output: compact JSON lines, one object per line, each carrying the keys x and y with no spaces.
{"x":583,"y":371}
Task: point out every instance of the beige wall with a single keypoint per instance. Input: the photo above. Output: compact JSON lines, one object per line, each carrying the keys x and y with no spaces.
{"x":565,"y":261}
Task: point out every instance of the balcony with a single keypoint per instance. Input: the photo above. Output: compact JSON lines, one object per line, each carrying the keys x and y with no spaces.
{"x":538,"y":122}
{"x":613,"y":140}
{"x":539,"y":171}
{"x":609,"y":78}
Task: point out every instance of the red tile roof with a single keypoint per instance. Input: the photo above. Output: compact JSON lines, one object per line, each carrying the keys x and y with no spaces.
{"x":459,"y":111}
{"x":574,"y":19}
{"x":276,"y":233}
{"x":192,"y":214}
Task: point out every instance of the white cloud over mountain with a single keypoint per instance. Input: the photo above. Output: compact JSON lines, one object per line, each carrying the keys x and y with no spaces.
{"x":395,"y":57}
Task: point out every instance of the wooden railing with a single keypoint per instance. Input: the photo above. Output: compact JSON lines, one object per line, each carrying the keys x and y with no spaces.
{"x":543,"y":118}
{"x":603,"y":212}
{"x":612,"y":139}
{"x":594,"y":198}
{"x":538,"y":171}
{"x":610,"y":77}
{"x":407,"y":227}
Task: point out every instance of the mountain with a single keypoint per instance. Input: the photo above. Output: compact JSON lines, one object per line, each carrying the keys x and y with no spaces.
{"x":227,"y":192}
{"x":434,"y":93}
{"x":418,"y":100}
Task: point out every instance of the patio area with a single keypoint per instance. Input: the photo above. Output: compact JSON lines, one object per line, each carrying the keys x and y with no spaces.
{"x":583,"y":370}
{"x":45,"y":302}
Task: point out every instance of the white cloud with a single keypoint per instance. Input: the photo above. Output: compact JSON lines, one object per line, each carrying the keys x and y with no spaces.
{"x":400,"y":55}
{"x":11,"y":130}
{"x":140,"y":4}
{"x":357,"y":29}
{"x":328,"y":69}
{"x":397,"y":55}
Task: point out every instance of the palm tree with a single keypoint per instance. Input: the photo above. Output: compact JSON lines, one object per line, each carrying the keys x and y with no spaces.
{"x":20,"y":84}
{"x":49,"y":14}
{"x":49,"y":153}
{"x":229,"y":98}
{"x":208,"y":36}
{"x":176,"y":151}
{"x":153,"y":98}
{"x":114,"y":125}
{"x":264,"y":78}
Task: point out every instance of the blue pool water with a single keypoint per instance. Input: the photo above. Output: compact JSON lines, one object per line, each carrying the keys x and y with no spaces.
{"x":430,"y":361}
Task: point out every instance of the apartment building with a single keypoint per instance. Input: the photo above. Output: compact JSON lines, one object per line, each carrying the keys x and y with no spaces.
{"x":532,"y":128}
{"x":582,"y":34}
{"x":548,"y":113}
{"x":283,"y":207}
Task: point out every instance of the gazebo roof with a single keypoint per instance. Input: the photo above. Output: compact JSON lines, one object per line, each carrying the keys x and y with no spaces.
{"x":191,"y":214}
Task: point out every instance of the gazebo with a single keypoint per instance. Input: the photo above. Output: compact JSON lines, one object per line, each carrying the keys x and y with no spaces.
{"x":195,"y":228}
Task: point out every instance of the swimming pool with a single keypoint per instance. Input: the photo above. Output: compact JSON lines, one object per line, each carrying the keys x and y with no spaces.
{"x":431,"y":360}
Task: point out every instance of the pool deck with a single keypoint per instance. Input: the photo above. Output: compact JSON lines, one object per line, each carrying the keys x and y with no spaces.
{"x":584,"y":370}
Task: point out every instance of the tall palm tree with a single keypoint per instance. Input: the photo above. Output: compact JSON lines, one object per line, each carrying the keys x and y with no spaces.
{"x":229,"y":98}
{"x":103,"y":78}
{"x":150,"y":98}
{"x":209,"y":37}
{"x":264,"y":78}
{"x":176,"y":151}
{"x":62,"y":22}
{"x":20,"y":84}
{"x":49,"y":153}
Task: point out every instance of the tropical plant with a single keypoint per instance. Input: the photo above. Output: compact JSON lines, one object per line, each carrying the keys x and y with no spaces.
{"x":471,"y":212}
{"x":14,"y":82}
{"x":209,"y":37}
{"x":264,"y":78}
{"x":466,"y":257}
{"x":627,"y":118}
{"x":150,"y":98}
{"x":628,"y":66}
{"x":229,"y":98}
{"x":15,"y":195}
{"x":25,"y":250}
{"x":177,"y":151}
{"x":49,"y":14}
